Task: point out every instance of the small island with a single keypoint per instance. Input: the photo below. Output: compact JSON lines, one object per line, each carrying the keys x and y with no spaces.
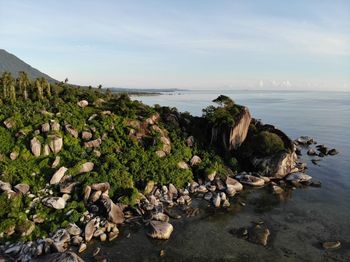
{"x":76,"y":163}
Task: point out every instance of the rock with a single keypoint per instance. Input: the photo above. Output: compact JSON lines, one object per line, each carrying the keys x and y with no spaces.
{"x":55,"y":126}
{"x":298,"y":177}
{"x":93,"y":143}
{"x":323,"y":149}
{"x":95,"y":196}
{"x":101,"y":186}
{"x":217,"y":201}
{"x":333,"y":152}
{"x":277,"y":190}
{"x":35,"y":146}
{"x":96,"y":251}
{"x":22,"y":188}
{"x":226,"y":203}
{"x":115,"y":215}
{"x":331,"y":245}
{"x":67,"y":187}
{"x":237,"y":186}
{"x":251,"y":180}
{"x":232,"y":138}
{"x":278,"y":165}
{"x":87,"y":192}
{"x":13,"y":155}
{"x":160,"y":230}
{"x":160,"y":217}
{"x":5,"y":186}
{"x":103,"y":237}
{"x":73,"y":229}
{"x":74,"y":133}
{"x":230,"y":190}
{"x":258,"y":234}
{"x":56,"y":162}
{"x":83,"y":103}
{"x":45,"y":127}
{"x":160,"y":153}
{"x":149,"y":187}
{"x":202,"y":189}
{"x":86,"y":135}
{"x":54,"y":202}
{"x":65,"y":257}
{"x":208,"y":196}
{"x":195,"y":160}
{"x":56,"y":143}
{"x":56,"y":178}
{"x":9,"y":123}
{"x":77,"y":240}
{"x":82,"y":247}
{"x":86,"y":167}
{"x":61,"y":240}
{"x":182,"y":165}
{"x":113,"y":234}
{"x":90,"y":228}
{"x":46,"y":150}
{"x":311,"y":152}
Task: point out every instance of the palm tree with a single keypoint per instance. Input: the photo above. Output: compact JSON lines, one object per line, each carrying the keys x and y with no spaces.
{"x":23,"y":83}
{"x":8,"y":86}
{"x":45,"y":86}
{"x":38,"y":87}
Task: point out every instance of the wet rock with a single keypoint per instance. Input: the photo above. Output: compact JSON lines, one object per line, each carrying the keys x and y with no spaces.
{"x":217,"y":201}
{"x":182,"y":165}
{"x":311,"y":152}
{"x":226,"y":203}
{"x":22,"y":188}
{"x":56,"y":178}
{"x":208,"y":196}
{"x":259,"y":234}
{"x":230,"y":190}
{"x":86,"y":167}
{"x":237,"y":186}
{"x":56,"y":143}
{"x":103,"y":237}
{"x":305,"y":140}
{"x":333,"y":152}
{"x":298,"y":177}
{"x":54,"y":202}
{"x":251,"y":180}
{"x":35,"y":146}
{"x":195,"y":160}
{"x":83,"y":103}
{"x":113,"y":234}
{"x":160,"y":230}
{"x":315,"y":183}
{"x":96,"y":252}
{"x":93,"y":143}
{"x":331,"y":245}
{"x":277,"y":190}
{"x":65,"y":257}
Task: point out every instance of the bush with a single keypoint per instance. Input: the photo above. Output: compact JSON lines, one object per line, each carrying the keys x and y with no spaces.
{"x":267,"y":143}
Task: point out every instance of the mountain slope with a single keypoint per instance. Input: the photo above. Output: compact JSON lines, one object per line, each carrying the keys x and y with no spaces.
{"x":12,"y":64}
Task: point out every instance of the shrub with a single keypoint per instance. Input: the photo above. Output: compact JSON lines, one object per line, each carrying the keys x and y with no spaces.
{"x":267,"y":143}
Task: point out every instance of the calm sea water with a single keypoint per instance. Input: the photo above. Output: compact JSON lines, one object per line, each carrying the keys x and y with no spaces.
{"x":299,"y":221}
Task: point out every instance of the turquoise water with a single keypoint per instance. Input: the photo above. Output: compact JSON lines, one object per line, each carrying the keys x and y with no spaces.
{"x":298,"y":222}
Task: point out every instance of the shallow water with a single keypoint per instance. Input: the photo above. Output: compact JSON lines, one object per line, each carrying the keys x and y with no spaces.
{"x":298,"y":223}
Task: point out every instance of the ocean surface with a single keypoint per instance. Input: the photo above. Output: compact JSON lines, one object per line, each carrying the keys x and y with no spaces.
{"x":299,"y":220}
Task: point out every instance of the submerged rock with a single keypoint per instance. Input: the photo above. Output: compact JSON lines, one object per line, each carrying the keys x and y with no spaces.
{"x":160,"y":230}
{"x":331,"y":245}
{"x":68,"y":256}
{"x":258,"y":234}
{"x":298,"y":177}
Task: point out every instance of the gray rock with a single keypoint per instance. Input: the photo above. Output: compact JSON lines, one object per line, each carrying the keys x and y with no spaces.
{"x":56,"y":143}
{"x":86,"y":167}
{"x":237,"y":186}
{"x":90,"y":229}
{"x":45,"y":127}
{"x":83,"y":103}
{"x":56,"y":162}
{"x":101,"y":186}
{"x":258,"y":234}
{"x":93,"y":143}
{"x":73,"y":132}
{"x":298,"y":177}
{"x":73,"y":229}
{"x":22,"y":188}
{"x":160,"y":230}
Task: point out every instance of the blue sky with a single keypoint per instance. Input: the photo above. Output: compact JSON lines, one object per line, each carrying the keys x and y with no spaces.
{"x":202,"y":44}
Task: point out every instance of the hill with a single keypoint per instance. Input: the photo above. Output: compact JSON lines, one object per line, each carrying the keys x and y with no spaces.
{"x":11,"y":63}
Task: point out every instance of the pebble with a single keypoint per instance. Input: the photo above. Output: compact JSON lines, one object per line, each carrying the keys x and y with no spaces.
{"x":331,"y":245}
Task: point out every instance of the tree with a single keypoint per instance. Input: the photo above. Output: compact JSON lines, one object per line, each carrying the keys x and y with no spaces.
{"x":23,"y":84}
{"x":224,"y":101}
{"x":99,"y":86}
{"x":38,"y":88}
{"x":66,"y":80}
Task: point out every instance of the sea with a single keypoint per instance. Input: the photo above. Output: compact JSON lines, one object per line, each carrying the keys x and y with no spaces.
{"x":299,"y":221}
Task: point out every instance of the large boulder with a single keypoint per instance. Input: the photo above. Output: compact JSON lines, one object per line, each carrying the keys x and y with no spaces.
{"x":35,"y":146}
{"x":160,"y":230}
{"x":56,"y":143}
{"x":231,"y":138}
{"x":278,"y":165}
{"x":113,"y":211}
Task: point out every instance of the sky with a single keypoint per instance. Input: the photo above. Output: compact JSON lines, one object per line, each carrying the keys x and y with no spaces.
{"x":197,"y":44}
